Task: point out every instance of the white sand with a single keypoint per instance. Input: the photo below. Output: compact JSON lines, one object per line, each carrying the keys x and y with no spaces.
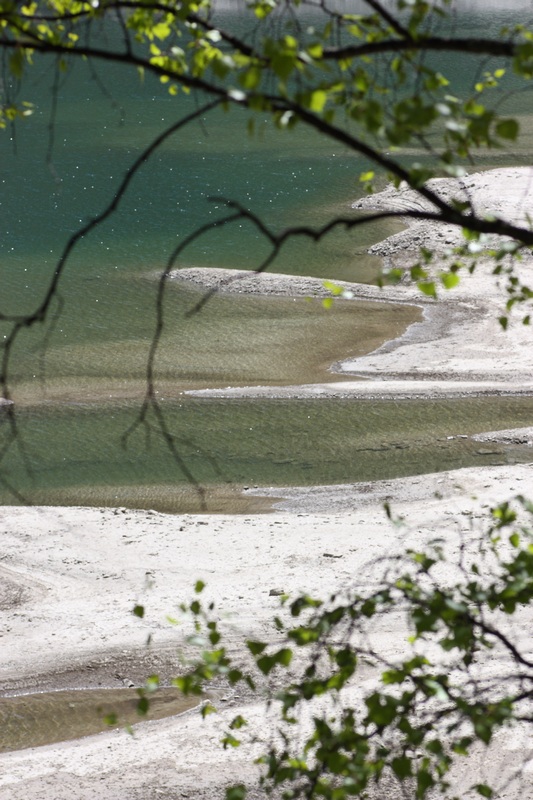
{"x":459,"y":347}
{"x":83,"y":570}
{"x":71,"y":576}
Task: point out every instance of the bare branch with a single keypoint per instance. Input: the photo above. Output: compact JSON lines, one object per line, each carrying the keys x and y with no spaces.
{"x":389,"y":18}
{"x":488,"y":47}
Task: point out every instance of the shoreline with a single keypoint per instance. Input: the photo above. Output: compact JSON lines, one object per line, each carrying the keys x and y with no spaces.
{"x":70,"y":577}
{"x":459,"y":338}
{"x":88,"y":567}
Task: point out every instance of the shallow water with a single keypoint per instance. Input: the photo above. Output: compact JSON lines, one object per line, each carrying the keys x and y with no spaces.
{"x":236,"y":443}
{"x":234,"y":340}
{"x":33,"y":720}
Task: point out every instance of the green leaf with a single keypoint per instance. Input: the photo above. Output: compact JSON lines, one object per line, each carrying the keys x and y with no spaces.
{"x":138,"y":611}
{"x":16,"y":63}
{"x":230,"y":741}
{"x":484,"y":790}
{"x":402,"y":767}
{"x":315,"y":51}
{"x":333,"y":288}
{"x":428,"y":288}
{"x":424,"y":781}
{"x":143,"y":704}
{"x":238,"y":722}
{"x":283,"y":65}
{"x":318,"y":100}
{"x":161,"y":31}
{"x":508,"y":129}
{"x":152,"y":683}
{"x":234,"y":676}
{"x":199,"y":586}
{"x":267,"y":663}
{"x":450,"y":280}
{"x":462,"y":747}
{"x":251,"y":78}
{"x":284,"y":656}
{"x":255,"y":648}
{"x":237,"y":792}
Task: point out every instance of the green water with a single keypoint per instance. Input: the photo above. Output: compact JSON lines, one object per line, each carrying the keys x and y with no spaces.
{"x":239,"y":443}
{"x":34,"y":720}
{"x":234,"y":340}
{"x":78,"y":383}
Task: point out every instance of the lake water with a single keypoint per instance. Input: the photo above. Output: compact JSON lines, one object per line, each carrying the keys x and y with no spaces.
{"x":77,"y":393}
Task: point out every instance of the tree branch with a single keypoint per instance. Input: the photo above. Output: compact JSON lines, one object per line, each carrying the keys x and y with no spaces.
{"x":487,"y":47}
{"x":392,"y":21}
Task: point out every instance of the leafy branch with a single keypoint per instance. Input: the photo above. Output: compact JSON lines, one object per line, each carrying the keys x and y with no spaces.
{"x":448,"y":689}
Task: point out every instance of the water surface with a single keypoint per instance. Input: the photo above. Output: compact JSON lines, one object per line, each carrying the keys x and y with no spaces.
{"x":33,"y":720}
{"x":237,"y":443}
{"x":78,"y":388}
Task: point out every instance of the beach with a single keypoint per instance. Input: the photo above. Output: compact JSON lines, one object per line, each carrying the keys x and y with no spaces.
{"x":72,"y":576}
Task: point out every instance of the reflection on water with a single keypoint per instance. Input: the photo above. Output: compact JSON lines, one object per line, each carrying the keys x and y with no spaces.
{"x":33,"y":720}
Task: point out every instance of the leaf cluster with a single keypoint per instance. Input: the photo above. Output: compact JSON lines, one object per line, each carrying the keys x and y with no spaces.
{"x":426,"y":708}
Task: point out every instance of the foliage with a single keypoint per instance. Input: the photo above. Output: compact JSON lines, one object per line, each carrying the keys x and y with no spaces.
{"x":460,"y":675}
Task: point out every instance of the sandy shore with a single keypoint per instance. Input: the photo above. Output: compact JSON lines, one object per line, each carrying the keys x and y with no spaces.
{"x":80,"y":571}
{"x":69,"y":577}
{"x":460,"y":347}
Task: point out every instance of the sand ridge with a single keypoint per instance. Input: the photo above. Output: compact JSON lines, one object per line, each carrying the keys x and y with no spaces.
{"x":459,"y":347}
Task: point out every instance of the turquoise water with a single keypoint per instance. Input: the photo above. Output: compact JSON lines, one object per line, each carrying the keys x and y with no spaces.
{"x":78,"y":392}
